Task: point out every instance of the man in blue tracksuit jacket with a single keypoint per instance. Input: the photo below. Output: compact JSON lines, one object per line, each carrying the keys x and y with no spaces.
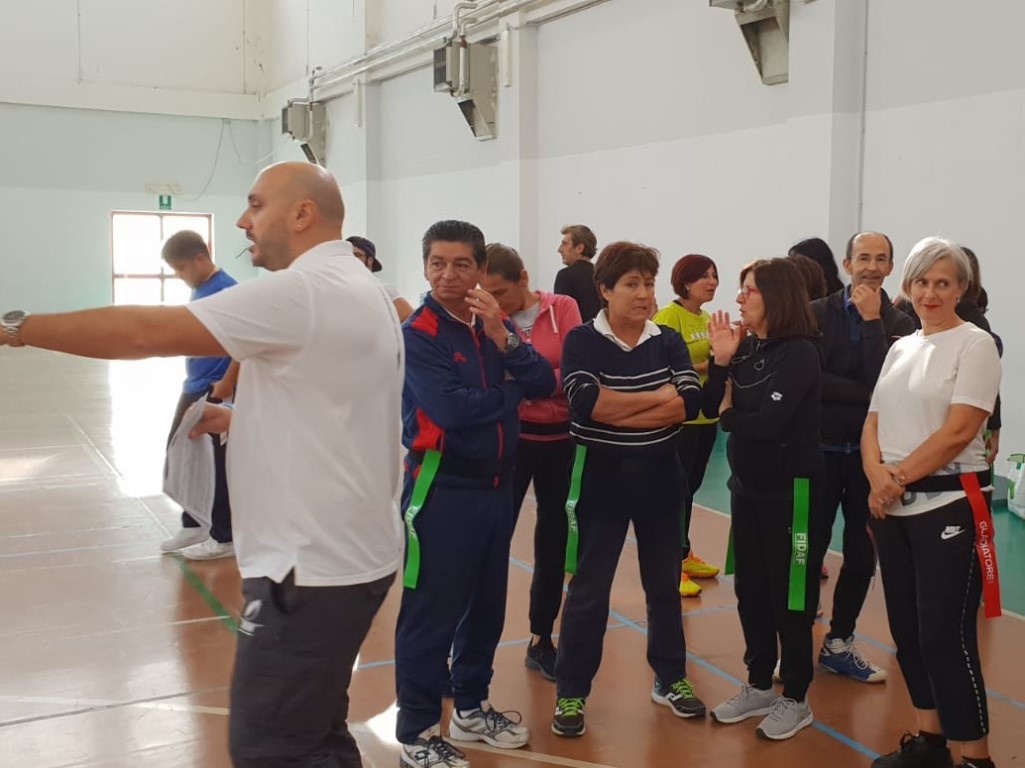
{"x":466,"y":373}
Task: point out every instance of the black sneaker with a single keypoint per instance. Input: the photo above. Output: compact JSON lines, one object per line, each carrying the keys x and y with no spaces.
{"x":915,"y":752}
{"x":541,"y":657}
{"x":679,"y":697}
{"x":569,"y":717}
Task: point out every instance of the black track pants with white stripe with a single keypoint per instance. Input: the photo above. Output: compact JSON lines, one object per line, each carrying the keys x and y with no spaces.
{"x":932,"y":582}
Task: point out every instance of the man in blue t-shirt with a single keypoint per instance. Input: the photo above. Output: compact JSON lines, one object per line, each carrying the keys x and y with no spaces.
{"x":188,"y":255}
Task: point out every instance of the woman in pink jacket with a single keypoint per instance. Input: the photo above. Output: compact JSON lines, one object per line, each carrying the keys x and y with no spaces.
{"x":545,"y":453}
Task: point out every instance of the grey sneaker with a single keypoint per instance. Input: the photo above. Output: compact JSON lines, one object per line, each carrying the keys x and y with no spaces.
{"x":785,"y":719}
{"x":749,"y":702}
{"x":489,"y":725}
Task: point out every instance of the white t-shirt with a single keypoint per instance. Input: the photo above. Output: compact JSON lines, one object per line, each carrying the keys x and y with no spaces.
{"x":313,"y":457}
{"x":921,"y":378}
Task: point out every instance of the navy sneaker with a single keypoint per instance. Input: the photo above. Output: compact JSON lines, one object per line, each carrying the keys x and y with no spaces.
{"x":841,"y":656}
{"x":679,"y":697}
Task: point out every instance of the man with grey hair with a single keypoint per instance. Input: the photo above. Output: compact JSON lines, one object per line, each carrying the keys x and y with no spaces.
{"x":313,"y":460}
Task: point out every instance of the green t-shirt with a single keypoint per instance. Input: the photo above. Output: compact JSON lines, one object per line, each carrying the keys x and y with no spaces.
{"x":694,"y":329}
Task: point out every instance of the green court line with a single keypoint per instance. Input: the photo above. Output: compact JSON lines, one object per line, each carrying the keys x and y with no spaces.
{"x":208,"y":597}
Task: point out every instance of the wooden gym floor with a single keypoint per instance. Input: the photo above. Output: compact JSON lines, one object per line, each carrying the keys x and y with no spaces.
{"x":113,"y":655}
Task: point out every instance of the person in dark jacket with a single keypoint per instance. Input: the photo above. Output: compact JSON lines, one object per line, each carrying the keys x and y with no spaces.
{"x":576,"y":279}
{"x":765,"y":385}
{"x":857,"y":325}
{"x":466,"y":373}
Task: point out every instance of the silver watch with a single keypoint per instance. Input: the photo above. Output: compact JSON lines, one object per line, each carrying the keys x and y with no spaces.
{"x":512,"y":341}
{"x":11,"y":322}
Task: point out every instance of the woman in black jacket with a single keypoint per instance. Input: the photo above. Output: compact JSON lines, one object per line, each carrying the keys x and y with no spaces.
{"x":766,"y":384}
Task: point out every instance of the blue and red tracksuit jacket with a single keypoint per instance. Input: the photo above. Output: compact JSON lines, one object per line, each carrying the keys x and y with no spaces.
{"x":461,"y":395}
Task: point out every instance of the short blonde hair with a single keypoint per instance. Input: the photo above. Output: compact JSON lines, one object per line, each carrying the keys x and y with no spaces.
{"x":926,"y":253}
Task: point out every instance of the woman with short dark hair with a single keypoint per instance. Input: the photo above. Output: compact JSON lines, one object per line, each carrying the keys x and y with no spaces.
{"x":630,"y":385}
{"x":765,"y":384}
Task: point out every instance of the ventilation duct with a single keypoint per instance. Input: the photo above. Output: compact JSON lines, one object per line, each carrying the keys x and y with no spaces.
{"x":306,"y":122}
{"x":469,"y":73}
{"x":765,"y":25}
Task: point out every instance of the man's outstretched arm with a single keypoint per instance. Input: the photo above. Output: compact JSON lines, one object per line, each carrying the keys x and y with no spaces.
{"x":121,"y":333}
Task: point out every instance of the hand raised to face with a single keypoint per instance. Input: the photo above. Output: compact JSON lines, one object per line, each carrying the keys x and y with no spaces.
{"x":868,"y":301}
{"x":483,"y":305}
{"x":724,"y":337}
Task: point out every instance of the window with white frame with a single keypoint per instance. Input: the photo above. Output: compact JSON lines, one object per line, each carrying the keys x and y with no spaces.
{"x":140,"y":276}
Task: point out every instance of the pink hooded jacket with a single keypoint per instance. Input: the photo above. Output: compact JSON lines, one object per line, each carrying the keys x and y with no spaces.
{"x":547,"y":418}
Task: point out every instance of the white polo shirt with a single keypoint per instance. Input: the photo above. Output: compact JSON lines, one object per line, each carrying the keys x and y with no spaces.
{"x":313,"y":457}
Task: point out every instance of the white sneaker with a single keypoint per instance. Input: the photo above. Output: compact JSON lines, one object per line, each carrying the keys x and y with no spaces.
{"x":209,"y":549}
{"x":489,"y":725}
{"x":185,"y":537}
{"x":432,"y":751}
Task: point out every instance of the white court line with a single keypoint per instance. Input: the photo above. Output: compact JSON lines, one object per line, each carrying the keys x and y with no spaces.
{"x":85,"y":705}
{"x":519,"y":754}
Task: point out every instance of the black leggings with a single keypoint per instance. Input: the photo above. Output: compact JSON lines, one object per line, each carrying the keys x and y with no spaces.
{"x":694,"y":446}
{"x":932,"y":582}
{"x":548,"y":464}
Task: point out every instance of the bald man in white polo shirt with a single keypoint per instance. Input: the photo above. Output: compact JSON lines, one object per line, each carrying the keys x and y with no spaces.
{"x":313,"y":455}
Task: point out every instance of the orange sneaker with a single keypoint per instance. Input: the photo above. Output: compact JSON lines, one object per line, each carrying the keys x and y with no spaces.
{"x":697,"y":568}
{"x":689,"y":587}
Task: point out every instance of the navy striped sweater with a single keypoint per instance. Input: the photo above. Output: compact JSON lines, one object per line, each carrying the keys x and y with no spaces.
{"x":590,"y":360}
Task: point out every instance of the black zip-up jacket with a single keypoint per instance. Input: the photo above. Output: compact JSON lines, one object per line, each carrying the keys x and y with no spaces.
{"x":850,"y":368}
{"x":775,"y":420}
{"x":577,"y":280}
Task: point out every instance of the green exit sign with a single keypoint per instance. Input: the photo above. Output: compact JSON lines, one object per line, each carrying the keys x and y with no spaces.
{"x":165,"y":202}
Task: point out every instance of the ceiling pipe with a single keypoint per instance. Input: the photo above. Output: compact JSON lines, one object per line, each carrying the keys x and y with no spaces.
{"x":337,"y":80}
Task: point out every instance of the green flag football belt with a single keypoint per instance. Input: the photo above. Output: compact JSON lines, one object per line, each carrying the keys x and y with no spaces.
{"x":430,"y":463}
{"x":424,"y":479}
{"x":800,"y":546}
{"x":572,"y":500}
{"x":573,"y":532}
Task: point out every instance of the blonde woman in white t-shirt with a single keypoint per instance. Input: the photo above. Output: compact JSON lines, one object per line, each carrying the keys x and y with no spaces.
{"x":925,"y":458}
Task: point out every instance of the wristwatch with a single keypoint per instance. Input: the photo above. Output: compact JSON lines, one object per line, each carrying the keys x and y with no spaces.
{"x":11,"y":322}
{"x":512,"y":342}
